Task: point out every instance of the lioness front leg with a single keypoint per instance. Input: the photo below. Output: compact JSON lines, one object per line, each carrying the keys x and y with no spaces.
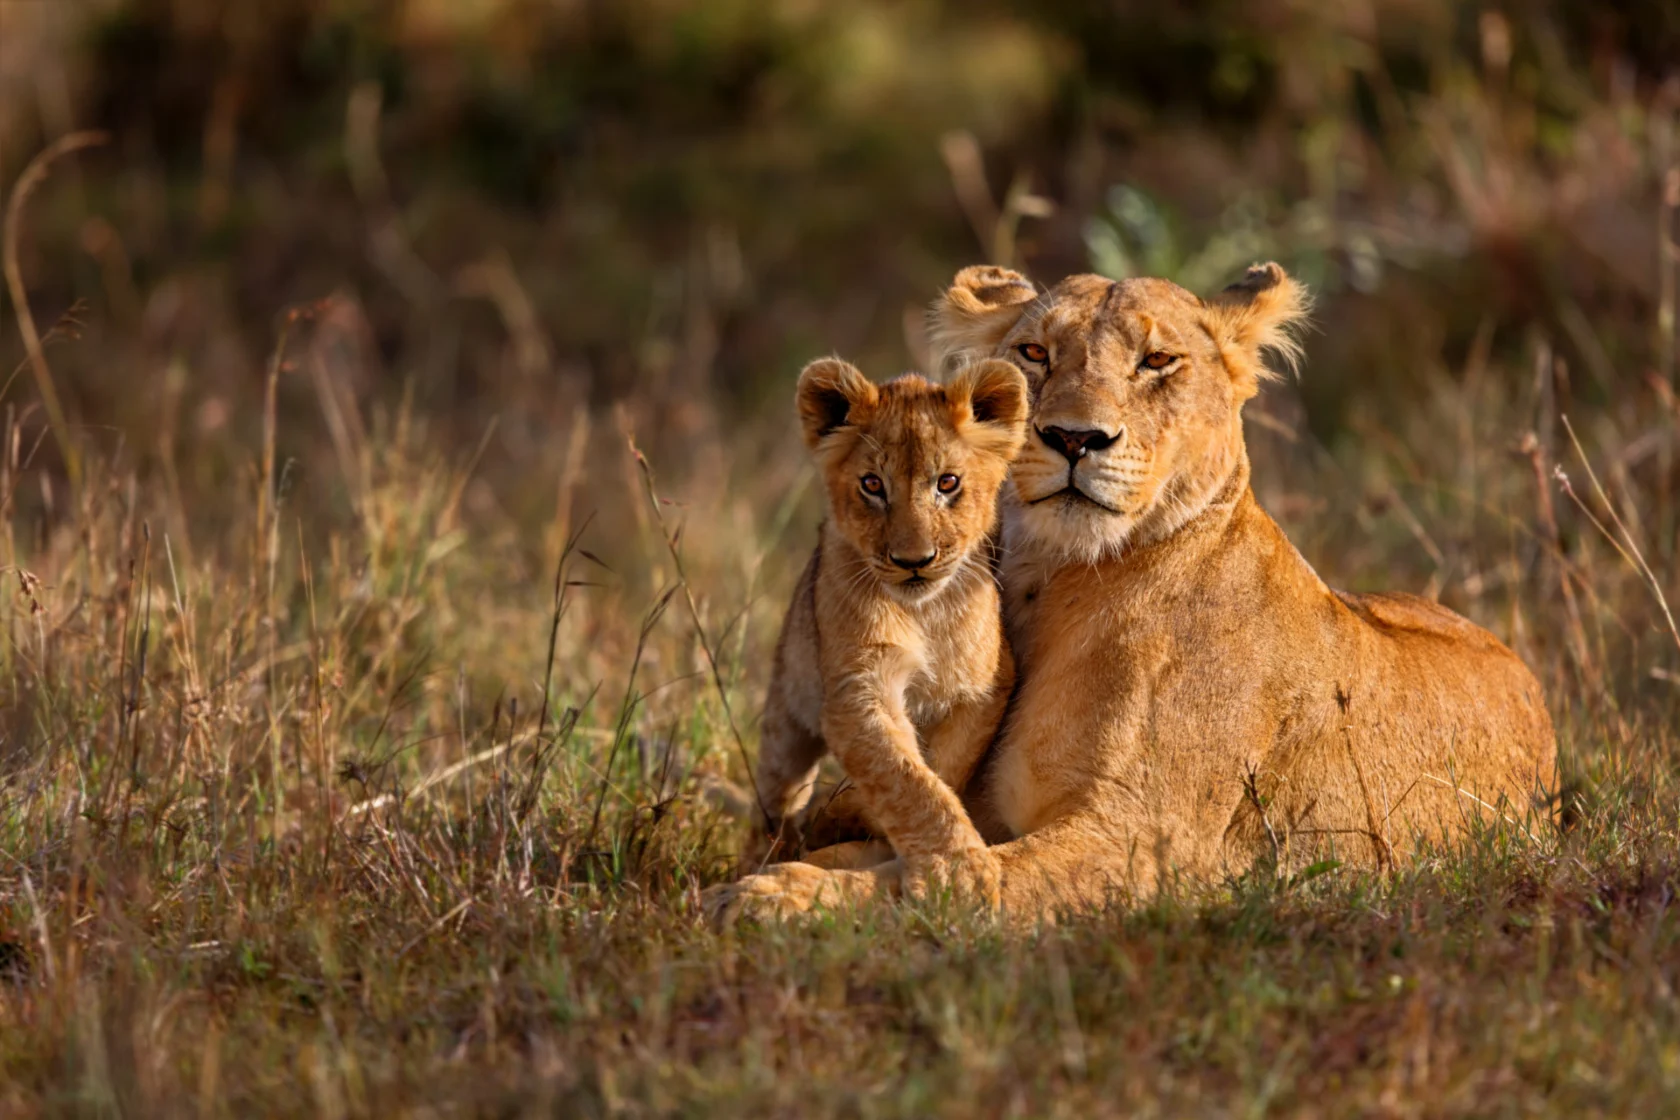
{"x":1077,"y":862}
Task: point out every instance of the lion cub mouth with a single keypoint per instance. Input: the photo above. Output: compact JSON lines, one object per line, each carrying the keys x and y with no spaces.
{"x":918,"y":587}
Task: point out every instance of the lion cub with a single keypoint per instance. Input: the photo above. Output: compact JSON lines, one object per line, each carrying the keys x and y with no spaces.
{"x":892,"y":654}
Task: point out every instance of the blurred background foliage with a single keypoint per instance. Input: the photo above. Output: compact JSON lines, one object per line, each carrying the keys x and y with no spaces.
{"x":663,"y":207}
{"x":353,"y":318}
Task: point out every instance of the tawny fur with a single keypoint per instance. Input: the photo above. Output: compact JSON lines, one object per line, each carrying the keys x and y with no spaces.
{"x":1193,"y":698}
{"x":902,"y":673}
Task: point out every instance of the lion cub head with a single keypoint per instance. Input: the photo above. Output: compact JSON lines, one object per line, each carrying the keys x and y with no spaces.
{"x":912,"y":468}
{"x":1137,"y":387}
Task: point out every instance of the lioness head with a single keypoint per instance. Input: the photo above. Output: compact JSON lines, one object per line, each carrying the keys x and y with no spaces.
{"x":1137,"y":392}
{"x":913,"y":469}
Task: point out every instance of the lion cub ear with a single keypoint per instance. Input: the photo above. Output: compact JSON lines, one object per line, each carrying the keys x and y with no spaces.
{"x":981,"y":306}
{"x":831,"y":395}
{"x":1265,"y":310}
{"x":989,"y":406}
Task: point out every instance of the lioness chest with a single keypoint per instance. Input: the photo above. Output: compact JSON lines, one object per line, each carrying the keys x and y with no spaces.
{"x":1122,"y":699}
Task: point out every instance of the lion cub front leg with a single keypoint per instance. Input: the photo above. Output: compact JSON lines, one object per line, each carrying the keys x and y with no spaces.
{"x":865,"y":724}
{"x":958,"y":742}
{"x":954,"y":749}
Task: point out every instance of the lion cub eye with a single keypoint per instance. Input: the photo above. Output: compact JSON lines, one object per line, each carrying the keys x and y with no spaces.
{"x":872,"y":485}
{"x":948,"y":483}
{"x":1033,"y":352}
{"x":1158,"y":359}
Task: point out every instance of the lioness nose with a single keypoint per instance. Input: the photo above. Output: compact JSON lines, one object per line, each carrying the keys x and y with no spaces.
{"x":1074,"y":445}
{"x":914,"y":565}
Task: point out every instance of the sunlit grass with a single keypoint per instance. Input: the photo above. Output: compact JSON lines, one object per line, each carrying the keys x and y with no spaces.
{"x":373,"y":714}
{"x":291,"y":828}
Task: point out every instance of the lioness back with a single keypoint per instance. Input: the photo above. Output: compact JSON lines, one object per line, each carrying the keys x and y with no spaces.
{"x":896,"y":619}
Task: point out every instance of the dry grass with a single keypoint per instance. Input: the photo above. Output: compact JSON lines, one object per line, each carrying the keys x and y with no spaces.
{"x":288,"y":826}
{"x":367,"y":734}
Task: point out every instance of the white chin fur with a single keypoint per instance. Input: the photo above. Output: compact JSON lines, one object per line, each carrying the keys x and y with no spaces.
{"x":1065,"y":529}
{"x":921,"y":594}
{"x":915,"y":593}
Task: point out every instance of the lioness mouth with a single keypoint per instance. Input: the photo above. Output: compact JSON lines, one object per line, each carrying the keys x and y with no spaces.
{"x":1070,"y":494}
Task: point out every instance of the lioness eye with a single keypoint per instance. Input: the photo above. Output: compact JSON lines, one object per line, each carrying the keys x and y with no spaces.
{"x":1033,"y":352}
{"x":1158,"y":359}
{"x":872,"y":484}
{"x":948,"y":483}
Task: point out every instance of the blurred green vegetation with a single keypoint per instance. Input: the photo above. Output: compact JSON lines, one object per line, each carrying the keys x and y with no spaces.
{"x":321,"y":790}
{"x":529,"y":230}
{"x":696,"y":196}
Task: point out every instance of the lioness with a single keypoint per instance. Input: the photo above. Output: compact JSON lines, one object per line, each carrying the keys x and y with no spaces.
{"x":1192,"y":696}
{"x":892,"y":654}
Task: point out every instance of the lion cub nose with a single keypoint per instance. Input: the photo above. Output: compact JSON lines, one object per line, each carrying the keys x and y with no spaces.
{"x":1074,"y":445}
{"x":913,"y":565}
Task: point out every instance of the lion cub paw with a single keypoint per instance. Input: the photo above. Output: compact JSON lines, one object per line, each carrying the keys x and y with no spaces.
{"x":974,"y":877}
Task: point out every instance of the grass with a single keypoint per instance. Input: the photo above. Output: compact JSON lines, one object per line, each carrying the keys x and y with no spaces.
{"x":288,"y":826}
{"x":372,"y":713}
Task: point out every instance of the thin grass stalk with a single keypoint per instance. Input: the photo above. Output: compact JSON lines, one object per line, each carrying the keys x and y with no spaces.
{"x":528,"y":798}
{"x":131,"y":701}
{"x":1632,"y":553}
{"x":324,"y":766}
{"x":33,"y":175}
{"x":265,"y":561}
{"x":1575,"y":633}
{"x":1668,"y":275}
{"x":670,"y":540}
{"x":627,"y":705}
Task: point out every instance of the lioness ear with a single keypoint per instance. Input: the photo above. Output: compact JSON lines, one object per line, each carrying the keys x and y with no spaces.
{"x":989,"y":406}
{"x":830,"y":394}
{"x":982,"y":305}
{"x":1265,"y":310}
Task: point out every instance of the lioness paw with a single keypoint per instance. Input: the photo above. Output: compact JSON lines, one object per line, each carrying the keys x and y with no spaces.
{"x":778,"y":893}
